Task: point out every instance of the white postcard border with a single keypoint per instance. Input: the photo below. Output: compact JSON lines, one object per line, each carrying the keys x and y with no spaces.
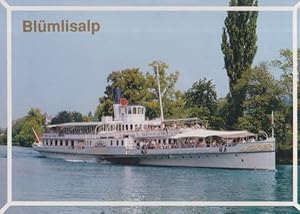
{"x":10,"y":202}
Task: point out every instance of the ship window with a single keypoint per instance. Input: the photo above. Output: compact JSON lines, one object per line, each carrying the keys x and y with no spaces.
{"x":111,"y":142}
{"x":67,"y":143}
{"x":126,"y":127}
{"x":131,"y":127}
{"x":134,"y":110}
{"x":61,"y":143}
{"x":55,"y":142}
{"x":129,"y":110}
{"x":117,"y":143}
{"x":72,"y":143}
{"x":122,"y":142}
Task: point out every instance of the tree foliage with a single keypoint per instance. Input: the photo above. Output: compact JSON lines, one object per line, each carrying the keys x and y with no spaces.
{"x":22,"y":129}
{"x":66,"y":117}
{"x":131,"y":82}
{"x":285,"y":65}
{"x":3,"y":137}
{"x":88,"y":118}
{"x":239,"y":48}
{"x":201,"y":99}
{"x":264,"y":94}
{"x":141,"y":88}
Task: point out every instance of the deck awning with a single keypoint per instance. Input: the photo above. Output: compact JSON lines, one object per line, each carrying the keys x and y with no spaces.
{"x":203,"y":133}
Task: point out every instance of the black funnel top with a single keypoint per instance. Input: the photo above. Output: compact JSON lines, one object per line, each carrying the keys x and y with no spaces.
{"x":117,"y":95}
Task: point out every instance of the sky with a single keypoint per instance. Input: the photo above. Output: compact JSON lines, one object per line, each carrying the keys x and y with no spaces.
{"x":67,"y":71}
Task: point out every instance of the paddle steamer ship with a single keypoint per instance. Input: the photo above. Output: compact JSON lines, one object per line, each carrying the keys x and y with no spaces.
{"x":128,"y":137}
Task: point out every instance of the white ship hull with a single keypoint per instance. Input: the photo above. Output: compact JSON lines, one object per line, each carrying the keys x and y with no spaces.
{"x":235,"y":158}
{"x":70,"y":156}
{"x":259,"y":160}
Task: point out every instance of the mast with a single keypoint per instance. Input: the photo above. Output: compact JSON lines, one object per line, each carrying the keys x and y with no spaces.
{"x":159,"y":94}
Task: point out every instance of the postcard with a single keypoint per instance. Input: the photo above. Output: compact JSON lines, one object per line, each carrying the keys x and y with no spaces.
{"x":166,"y":107}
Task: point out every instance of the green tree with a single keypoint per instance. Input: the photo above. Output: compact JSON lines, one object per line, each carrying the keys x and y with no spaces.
{"x":141,"y":88}
{"x":285,"y":64}
{"x":131,"y":82}
{"x":76,"y":117}
{"x":172,"y":100}
{"x":220,"y":119}
{"x":3,"y":137}
{"x":66,"y":117}
{"x":88,"y":118}
{"x":264,"y":94}
{"x":239,"y":48}
{"x":16,"y":128}
{"x":34,"y":119}
{"x":201,"y":100}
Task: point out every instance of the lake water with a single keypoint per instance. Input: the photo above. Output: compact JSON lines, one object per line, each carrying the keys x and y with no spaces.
{"x":38,"y":178}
